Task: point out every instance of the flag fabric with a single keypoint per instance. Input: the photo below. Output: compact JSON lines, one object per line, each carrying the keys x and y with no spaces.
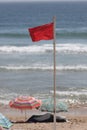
{"x":43,"y":32}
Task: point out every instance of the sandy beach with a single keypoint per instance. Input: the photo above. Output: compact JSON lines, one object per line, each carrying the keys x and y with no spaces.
{"x":76,"y":119}
{"x":27,"y":67}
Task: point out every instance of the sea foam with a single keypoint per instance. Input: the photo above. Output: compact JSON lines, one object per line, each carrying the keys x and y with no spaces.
{"x":45,"y":48}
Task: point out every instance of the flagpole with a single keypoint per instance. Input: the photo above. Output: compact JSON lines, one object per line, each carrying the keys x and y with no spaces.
{"x":54,"y":69}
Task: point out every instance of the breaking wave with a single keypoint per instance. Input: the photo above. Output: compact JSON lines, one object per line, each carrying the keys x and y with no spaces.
{"x":74,"y":93}
{"x":45,"y":48}
{"x":45,"y":67}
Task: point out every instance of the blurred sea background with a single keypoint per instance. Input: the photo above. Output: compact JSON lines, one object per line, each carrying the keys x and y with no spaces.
{"x":26,"y":67}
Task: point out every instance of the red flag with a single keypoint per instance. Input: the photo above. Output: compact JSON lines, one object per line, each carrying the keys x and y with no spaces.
{"x":43,"y":32}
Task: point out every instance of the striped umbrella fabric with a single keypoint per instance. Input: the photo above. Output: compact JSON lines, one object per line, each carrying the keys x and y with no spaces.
{"x":25,"y":102}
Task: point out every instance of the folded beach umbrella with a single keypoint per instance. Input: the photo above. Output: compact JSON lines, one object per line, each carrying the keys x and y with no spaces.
{"x":4,"y":122}
{"x":25,"y":102}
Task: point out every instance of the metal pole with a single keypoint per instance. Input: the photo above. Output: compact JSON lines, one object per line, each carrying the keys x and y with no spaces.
{"x":54,"y":68}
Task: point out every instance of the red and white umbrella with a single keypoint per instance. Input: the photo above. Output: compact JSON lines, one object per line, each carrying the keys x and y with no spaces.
{"x":25,"y":102}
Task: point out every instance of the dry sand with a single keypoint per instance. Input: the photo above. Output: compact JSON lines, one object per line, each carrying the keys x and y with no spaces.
{"x":76,"y":116}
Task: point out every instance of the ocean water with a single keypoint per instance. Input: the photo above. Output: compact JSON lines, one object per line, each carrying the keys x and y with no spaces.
{"x":26,"y":67}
